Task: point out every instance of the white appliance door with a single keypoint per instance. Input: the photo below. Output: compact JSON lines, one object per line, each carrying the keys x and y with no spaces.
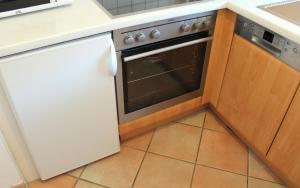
{"x":64,"y":101}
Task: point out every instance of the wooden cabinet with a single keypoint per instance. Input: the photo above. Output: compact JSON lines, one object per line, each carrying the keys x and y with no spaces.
{"x":220,"y":49}
{"x":256,"y":93}
{"x":284,"y":155}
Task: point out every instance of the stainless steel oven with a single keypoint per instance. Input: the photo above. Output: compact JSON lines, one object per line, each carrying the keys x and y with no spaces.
{"x":161,"y":64}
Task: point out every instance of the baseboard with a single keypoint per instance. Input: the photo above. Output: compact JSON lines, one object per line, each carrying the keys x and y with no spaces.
{"x":158,"y":119}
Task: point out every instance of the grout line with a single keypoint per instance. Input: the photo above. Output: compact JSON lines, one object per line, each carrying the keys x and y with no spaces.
{"x":188,"y":125}
{"x":82,"y":171}
{"x":232,"y":135}
{"x":133,"y":148}
{"x":266,"y":180}
{"x":203,"y":127}
{"x":222,"y":170}
{"x":151,"y":140}
{"x":78,"y":178}
{"x":248,"y":158}
{"x":142,"y":160}
{"x":217,"y":131}
{"x":153,"y":153}
{"x":195,"y":165}
{"x":94,"y":183}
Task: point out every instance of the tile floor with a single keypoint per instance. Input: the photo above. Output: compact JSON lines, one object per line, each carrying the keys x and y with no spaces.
{"x":195,"y":152}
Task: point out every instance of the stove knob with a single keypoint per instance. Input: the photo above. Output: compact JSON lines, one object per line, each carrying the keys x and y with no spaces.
{"x":129,"y":40}
{"x":198,"y":25}
{"x":295,"y":50}
{"x":185,"y":27}
{"x":207,"y":23}
{"x":155,"y":34}
{"x":140,"y":37}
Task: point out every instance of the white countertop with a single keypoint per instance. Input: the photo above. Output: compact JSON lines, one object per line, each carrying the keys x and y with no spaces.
{"x":85,"y":17}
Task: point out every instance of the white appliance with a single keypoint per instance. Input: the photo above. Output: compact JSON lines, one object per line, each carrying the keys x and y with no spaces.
{"x":63,"y":98}
{"x":16,"y":7}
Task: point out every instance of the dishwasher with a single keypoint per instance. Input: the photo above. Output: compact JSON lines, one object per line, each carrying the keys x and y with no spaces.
{"x":279,"y":46}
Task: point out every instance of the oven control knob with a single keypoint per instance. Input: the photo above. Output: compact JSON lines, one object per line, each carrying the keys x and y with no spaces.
{"x":140,"y":37}
{"x":207,"y":23}
{"x":185,"y":27}
{"x":155,"y":34}
{"x":198,"y":25}
{"x":129,"y":40}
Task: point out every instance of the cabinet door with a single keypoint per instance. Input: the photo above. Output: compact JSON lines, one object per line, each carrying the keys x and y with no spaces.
{"x":64,"y":102}
{"x":256,"y":93}
{"x":284,"y":154}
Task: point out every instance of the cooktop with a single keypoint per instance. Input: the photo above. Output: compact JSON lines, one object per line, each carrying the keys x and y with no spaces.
{"x":118,"y":7}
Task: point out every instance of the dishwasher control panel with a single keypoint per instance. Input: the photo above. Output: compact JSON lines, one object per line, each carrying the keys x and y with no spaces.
{"x":279,"y":46}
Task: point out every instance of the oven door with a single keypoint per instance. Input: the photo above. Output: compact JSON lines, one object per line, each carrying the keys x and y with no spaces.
{"x":159,"y":75}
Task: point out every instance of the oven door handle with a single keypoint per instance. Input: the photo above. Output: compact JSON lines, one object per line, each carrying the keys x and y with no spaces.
{"x":161,"y":50}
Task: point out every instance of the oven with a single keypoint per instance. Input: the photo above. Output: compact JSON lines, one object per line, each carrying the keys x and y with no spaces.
{"x":159,"y":74}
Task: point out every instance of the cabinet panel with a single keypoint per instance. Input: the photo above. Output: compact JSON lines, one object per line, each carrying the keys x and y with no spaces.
{"x":256,"y":93}
{"x":284,"y":154}
{"x":220,"y":49}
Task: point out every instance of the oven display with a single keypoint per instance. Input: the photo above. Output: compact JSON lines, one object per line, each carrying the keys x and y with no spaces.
{"x":268,"y":36}
{"x":8,"y":5}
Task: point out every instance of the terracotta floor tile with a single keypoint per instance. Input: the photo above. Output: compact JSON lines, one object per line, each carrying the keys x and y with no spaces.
{"x":118,"y":170}
{"x":163,"y":172}
{"x":63,"y":181}
{"x":258,"y":169}
{"x":196,"y":119}
{"x":77,"y":172}
{"x":19,"y":186}
{"x":223,"y":151}
{"x":213,"y":123}
{"x":205,"y":177}
{"x":140,"y":142}
{"x":84,"y":184}
{"x":256,"y":183}
{"x":177,"y":141}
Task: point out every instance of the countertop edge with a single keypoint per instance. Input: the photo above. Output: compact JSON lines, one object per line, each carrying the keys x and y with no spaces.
{"x":266,"y":19}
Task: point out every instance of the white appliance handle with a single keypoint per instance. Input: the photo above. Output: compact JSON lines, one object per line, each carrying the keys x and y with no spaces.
{"x":113,"y":65}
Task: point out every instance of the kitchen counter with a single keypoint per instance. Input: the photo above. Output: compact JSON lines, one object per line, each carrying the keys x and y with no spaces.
{"x":86,"y":17}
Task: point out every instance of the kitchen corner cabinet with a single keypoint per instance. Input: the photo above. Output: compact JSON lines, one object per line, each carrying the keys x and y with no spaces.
{"x":284,"y":155}
{"x":63,"y":98}
{"x":256,"y":93}
{"x":220,"y":49}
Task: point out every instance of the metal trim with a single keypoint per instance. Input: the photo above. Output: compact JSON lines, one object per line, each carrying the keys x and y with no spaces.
{"x":169,"y":48}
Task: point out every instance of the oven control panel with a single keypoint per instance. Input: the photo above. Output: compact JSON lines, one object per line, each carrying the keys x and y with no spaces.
{"x":279,"y":46}
{"x":163,"y":30}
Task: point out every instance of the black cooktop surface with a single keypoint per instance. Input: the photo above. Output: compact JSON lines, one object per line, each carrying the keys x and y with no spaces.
{"x":118,"y":7}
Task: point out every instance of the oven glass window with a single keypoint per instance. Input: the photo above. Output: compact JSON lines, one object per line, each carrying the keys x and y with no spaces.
{"x":157,"y":78}
{"x":8,"y":5}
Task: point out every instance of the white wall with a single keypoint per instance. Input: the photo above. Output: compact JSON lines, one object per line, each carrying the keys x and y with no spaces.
{"x":14,"y":140}
{"x":9,"y":175}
